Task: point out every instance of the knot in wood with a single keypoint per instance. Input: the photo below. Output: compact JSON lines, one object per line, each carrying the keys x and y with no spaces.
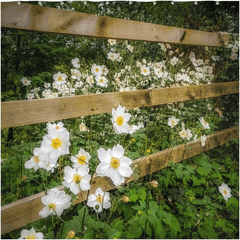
{"x":193,"y":95}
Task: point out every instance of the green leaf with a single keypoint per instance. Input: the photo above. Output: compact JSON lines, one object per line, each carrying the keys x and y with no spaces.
{"x":172,"y":221}
{"x":158,"y":225}
{"x":179,"y":173}
{"x":135,"y":229}
{"x":142,"y":194}
{"x":133,"y":196}
{"x":232,"y":201}
{"x":222,"y":223}
{"x":206,"y":231}
{"x":198,"y":180}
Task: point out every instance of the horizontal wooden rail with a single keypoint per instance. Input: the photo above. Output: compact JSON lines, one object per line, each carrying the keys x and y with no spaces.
{"x":21,"y":212}
{"x":19,"y":113}
{"x":50,"y":20}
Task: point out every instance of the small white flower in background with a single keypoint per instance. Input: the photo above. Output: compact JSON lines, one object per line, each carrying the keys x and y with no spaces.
{"x":173,"y":121}
{"x":234,"y":49}
{"x":186,"y":134}
{"x":130,"y":48}
{"x":112,"y":41}
{"x":56,"y":143}
{"x":31,"y":234}
{"x":174,"y":61}
{"x":100,"y":199}
{"x":215,"y":58}
{"x":204,"y":123}
{"x":78,"y":84}
{"x":39,"y":160}
{"x":209,"y":106}
{"x":134,"y":128}
{"x":25,"y":81}
{"x":76,"y":179}
{"x":158,"y":72}
{"x":81,"y":159}
{"x":120,"y":120}
{"x":195,"y":137}
{"x":114,"y":164}
{"x":163,"y":47}
{"x":102,"y":81}
{"x":105,"y":70}
{"x":90,"y":80}
{"x":96,"y":70}
{"x":145,"y":70}
{"x":203,"y":140}
{"x":55,"y":202}
{"x":225,"y":191}
{"x":58,"y":127}
{"x":51,"y":165}
{"x":75,"y":63}
{"x":111,"y":56}
{"x":118,"y":58}
{"x":75,"y":74}
{"x":47,"y":85}
{"x":59,"y":78}
{"x":82,"y":127}
{"x":126,"y":89}
{"x":30,"y":96}
{"x":233,"y":56}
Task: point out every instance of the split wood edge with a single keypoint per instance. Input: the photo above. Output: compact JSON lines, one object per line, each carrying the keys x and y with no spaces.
{"x":50,"y":20}
{"x":21,"y":212}
{"x":26,"y":112}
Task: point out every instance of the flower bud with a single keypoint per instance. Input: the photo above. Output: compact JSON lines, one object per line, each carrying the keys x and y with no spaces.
{"x":154,"y":183}
{"x":24,"y":177}
{"x":125,"y":199}
{"x":139,"y":213}
{"x":71,"y":234}
{"x":97,"y":206}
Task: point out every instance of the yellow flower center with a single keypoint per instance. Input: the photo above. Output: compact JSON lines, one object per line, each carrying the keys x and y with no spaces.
{"x":99,"y":198}
{"x":225,"y":191}
{"x":205,"y":123}
{"x":115,"y":162}
{"x":52,"y":206}
{"x":101,"y":80}
{"x":82,"y":160}
{"x":26,"y":81}
{"x":173,"y":122}
{"x":120,"y":120}
{"x":96,"y":69}
{"x":36,"y":159}
{"x":77,"y":178}
{"x":56,"y":143}
{"x":145,"y":70}
{"x":57,"y":128}
{"x":30,"y":237}
{"x":60,"y":78}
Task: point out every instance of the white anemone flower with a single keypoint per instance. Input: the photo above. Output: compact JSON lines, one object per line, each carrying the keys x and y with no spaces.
{"x":145,"y":70}
{"x":101,"y":81}
{"x":158,"y":72}
{"x":203,"y":140}
{"x":130,"y":48}
{"x":96,"y":70}
{"x":75,"y":74}
{"x":173,"y":121}
{"x":75,"y":63}
{"x":112,"y":41}
{"x":204,"y":123}
{"x":90,"y":80}
{"x":100,"y":199}
{"x":81,"y":159}
{"x":104,"y":70}
{"x":31,"y":234}
{"x":58,"y":127}
{"x":134,"y":128}
{"x":111,"y":56}
{"x":118,"y":58}
{"x":76,"y":179}
{"x":56,"y":143}
{"x":225,"y":191}
{"x":55,"y":202}
{"x":39,"y":160}
{"x":82,"y":127}
{"x":186,"y":134}
{"x":114,"y":164}
{"x":25,"y":81}
{"x":59,"y":78}
{"x":120,"y":119}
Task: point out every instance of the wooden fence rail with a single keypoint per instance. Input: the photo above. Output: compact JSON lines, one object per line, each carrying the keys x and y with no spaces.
{"x":14,"y":113}
{"x":49,"y":20}
{"x":21,"y":212}
{"x":30,"y":17}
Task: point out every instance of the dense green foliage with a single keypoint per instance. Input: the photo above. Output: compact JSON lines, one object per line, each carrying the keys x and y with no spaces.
{"x":187,"y":202}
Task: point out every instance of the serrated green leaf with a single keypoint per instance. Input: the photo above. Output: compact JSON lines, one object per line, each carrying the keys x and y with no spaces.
{"x":172,"y":221}
{"x":179,"y":173}
{"x":198,"y":180}
{"x":206,"y":231}
{"x":142,"y":194}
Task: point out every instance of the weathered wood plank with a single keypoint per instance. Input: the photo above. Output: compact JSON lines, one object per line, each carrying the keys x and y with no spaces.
{"x":50,"y":20}
{"x":19,"y":213}
{"x":20,"y":113}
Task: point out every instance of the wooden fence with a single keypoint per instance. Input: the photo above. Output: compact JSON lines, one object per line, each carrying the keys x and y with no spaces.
{"x":49,"y":20}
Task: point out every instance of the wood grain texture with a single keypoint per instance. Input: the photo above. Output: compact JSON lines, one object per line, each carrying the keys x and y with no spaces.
{"x":21,"y":212}
{"x":50,"y":20}
{"x":20,"y":113}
